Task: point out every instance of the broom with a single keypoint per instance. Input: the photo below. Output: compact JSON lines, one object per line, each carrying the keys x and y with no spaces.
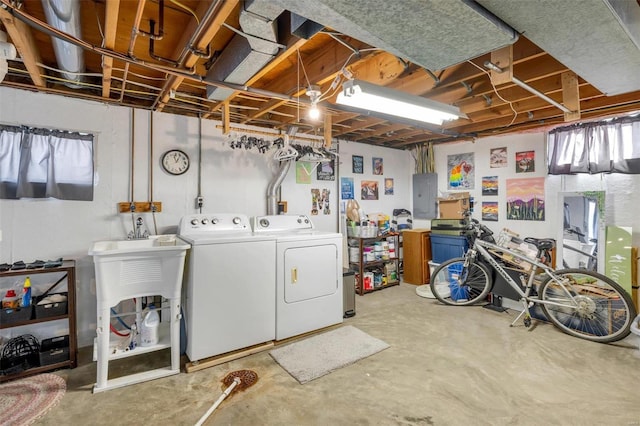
{"x":236,"y":380}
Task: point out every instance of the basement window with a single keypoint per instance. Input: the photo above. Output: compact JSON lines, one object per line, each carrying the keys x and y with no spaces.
{"x":611,"y":146}
{"x":44,"y":163}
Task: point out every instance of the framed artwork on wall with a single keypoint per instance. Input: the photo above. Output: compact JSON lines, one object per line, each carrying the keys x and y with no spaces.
{"x":460,"y":171}
{"x":525,"y":161}
{"x":377,"y":165}
{"x":388,"y":186}
{"x":326,"y":171}
{"x":357,"y":164}
{"x":303,"y":175}
{"x":346,"y":188}
{"x":525,"y":199}
{"x":369,"y":190}
{"x":498,"y":157}
{"x":490,"y":211}
{"x":490,"y":185}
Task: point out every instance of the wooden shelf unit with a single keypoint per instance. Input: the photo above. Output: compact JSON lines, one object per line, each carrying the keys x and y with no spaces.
{"x":66,"y":272}
{"x":362,"y":266}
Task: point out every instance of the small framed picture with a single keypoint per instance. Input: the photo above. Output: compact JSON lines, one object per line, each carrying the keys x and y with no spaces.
{"x":377,"y":165}
{"x":357,"y":163}
{"x":369,"y":190}
{"x":525,"y":161}
{"x":388,"y":186}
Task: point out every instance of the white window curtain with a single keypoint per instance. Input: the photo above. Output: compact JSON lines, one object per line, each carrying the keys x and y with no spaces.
{"x":40,"y":163}
{"x":604,"y":147}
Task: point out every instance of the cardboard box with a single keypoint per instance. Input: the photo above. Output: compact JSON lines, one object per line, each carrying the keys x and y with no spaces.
{"x":454,"y":206}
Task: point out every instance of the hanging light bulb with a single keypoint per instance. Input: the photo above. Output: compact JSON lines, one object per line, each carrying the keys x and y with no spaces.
{"x":314,"y":93}
{"x":314,"y":112}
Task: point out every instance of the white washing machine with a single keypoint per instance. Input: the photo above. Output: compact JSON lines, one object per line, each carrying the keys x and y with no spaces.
{"x":230,"y":288}
{"x":308,"y":274}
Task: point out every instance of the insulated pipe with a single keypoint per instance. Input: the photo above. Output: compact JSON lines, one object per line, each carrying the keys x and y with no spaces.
{"x":272,"y":201}
{"x":65,"y":16}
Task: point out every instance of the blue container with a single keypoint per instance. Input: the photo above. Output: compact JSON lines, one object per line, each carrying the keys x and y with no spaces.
{"x":445,"y":247}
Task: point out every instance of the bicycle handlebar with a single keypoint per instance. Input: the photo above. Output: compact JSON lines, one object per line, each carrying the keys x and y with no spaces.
{"x":475,"y":224}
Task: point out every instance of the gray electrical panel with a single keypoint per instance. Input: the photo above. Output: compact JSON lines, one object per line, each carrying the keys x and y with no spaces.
{"x":425,"y":195}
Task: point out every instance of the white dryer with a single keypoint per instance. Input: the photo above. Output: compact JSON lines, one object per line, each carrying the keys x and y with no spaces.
{"x":308,"y":274}
{"x":230,"y":284}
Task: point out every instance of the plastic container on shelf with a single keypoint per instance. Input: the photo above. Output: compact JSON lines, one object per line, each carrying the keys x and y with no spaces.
{"x":11,"y":300}
{"x":149,"y":327}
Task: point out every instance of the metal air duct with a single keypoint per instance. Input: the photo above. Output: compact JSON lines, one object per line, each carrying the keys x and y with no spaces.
{"x":64,"y":15}
{"x":248,"y":51}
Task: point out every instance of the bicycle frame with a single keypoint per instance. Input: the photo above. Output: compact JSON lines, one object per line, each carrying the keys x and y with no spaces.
{"x":483,"y":247}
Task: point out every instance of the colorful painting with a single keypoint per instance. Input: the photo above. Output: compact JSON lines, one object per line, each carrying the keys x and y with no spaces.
{"x":303,"y":172}
{"x":326,"y":171}
{"x":388,"y":186}
{"x":346,"y":188}
{"x":525,"y":161}
{"x":357,"y":164}
{"x":490,"y":211}
{"x":525,"y":199}
{"x":498,"y":157}
{"x":369,"y":190}
{"x":490,"y":185}
{"x":376,"y":164}
{"x":461,"y":171}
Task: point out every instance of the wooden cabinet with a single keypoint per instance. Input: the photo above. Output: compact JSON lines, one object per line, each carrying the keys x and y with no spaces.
{"x":40,"y":314}
{"x":374,"y":270}
{"x":416,"y":256}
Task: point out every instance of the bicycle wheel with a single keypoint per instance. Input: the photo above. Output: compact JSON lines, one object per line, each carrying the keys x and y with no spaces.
{"x":595,"y":307}
{"x":453,"y":284}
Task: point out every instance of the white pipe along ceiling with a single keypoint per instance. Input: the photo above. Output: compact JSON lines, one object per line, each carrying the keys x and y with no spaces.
{"x":64,"y":15}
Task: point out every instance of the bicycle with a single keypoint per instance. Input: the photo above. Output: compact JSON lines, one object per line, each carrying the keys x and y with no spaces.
{"x":579,"y":302}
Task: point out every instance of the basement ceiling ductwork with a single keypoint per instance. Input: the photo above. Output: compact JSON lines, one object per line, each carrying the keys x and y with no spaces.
{"x":598,"y":39}
{"x":433,"y":34}
{"x":249,"y":52}
{"x":64,"y":15}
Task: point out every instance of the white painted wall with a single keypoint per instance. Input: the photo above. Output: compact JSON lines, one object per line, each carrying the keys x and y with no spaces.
{"x":396,"y":165}
{"x":232,"y":181}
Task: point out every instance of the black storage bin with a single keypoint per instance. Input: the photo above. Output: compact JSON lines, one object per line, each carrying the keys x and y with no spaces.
{"x":51,"y":309}
{"x":54,"y":350}
{"x":11,"y":316}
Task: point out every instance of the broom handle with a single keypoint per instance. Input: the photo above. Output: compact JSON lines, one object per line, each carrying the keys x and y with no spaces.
{"x":226,"y":393}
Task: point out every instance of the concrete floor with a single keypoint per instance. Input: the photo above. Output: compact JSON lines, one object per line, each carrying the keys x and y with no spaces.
{"x":446,"y":366}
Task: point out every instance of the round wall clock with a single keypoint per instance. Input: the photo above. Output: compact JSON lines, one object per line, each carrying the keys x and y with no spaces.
{"x":175,"y":162}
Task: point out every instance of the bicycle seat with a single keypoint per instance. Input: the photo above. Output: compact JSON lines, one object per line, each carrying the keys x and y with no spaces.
{"x":541,"y":243}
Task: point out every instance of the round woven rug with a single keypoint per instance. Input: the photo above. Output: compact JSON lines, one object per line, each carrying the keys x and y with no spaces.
{"x":25,"y":400}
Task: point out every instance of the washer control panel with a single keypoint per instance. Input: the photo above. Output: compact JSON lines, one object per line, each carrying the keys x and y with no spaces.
{"x":214,"y":222}
{"x":280,"y":223}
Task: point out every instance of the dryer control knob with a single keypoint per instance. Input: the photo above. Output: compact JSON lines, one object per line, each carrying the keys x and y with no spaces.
{"x":194,"y":221}
{"x":264,"y":223}
{"x":205,"y":221}
{"x":306,"y":221}
{"x":236,"y":220}
{"x":299,"y":220}
{"x":214,"y":221}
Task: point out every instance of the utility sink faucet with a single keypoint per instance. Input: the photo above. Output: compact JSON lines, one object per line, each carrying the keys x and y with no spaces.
{"x":138,"y":234}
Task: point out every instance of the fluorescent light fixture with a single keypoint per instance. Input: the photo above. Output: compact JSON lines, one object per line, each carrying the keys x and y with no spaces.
{"x":363,"y":95}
